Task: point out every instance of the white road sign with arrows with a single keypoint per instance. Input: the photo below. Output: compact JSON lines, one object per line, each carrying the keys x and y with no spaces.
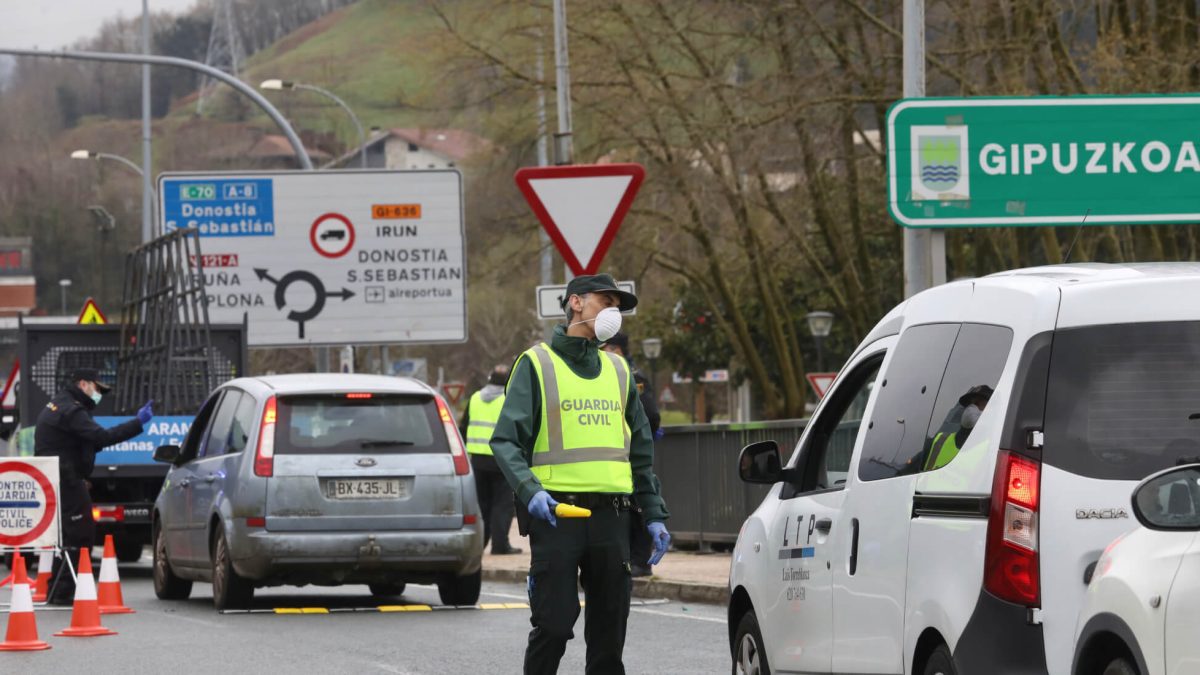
{"x":330,"y":257}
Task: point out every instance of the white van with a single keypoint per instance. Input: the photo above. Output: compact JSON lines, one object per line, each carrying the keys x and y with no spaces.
{"x":949,"y":499}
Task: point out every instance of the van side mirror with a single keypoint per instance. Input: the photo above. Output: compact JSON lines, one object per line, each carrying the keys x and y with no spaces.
{"x":760,"y":463}
{"x":1169,"y":500}
{"x":167,"y":454}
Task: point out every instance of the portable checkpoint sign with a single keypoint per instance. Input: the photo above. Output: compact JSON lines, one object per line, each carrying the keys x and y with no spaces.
{"x":581,"y":207}
{"x":28,"y":502}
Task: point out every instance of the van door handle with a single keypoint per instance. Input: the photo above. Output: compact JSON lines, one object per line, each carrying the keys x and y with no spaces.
{"x":824,"y":524}
{"x":210,"y":478}
{"x":853,"y":546}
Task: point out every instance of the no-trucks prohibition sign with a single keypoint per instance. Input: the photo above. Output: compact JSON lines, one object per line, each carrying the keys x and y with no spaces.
{"x":332,"y":235}
{"x":28,"y":503}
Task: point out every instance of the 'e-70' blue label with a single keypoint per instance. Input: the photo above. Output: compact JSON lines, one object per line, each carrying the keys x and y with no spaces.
{"x":164,"y":430}
{"x":220,"y":207}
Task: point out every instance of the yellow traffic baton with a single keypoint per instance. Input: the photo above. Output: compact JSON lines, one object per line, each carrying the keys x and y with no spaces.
{"x":571,"y":511}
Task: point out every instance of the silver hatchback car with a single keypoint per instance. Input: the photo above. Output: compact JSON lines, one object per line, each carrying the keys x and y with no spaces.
{"x":321,"y":479}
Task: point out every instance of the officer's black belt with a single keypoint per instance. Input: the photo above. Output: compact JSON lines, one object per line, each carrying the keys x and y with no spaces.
{"x":596,"y":500}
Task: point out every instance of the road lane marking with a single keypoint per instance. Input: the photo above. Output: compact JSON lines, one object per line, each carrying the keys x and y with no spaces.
{"x":710,"y":619}
{"x":635,"y":605}
{"x":190,"y":619}
{"x":391,"y":669}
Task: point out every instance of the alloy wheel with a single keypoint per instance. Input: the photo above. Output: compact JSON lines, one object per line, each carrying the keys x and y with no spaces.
{"x":748,"y":662}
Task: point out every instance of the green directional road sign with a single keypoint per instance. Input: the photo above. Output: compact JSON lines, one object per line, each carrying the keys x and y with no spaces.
{"x":1044,"y":161}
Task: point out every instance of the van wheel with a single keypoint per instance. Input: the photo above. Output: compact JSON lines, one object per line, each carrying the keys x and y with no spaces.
{"x":386,"y":590}
{"x":460,"y":590}
{"x":1120,"y":666}
{"x":749,"y":657}
{"x":167,"y":586}
{"x":940,"y":662}
{"x":128,"y":550}
{"x":230,"y":590}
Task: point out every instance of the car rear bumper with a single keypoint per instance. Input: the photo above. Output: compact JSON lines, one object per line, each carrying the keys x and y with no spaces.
{"x":356,"y":557}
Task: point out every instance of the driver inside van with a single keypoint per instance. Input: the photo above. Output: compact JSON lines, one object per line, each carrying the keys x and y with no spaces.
{"x":946,"y":444}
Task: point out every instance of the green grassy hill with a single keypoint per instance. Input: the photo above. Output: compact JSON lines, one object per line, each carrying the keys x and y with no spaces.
{"x":379,"y":56}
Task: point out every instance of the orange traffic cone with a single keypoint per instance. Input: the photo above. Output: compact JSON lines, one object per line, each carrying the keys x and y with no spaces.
{"x":45,"y":570}
{"x":85,"y":615}
{"x":111,"y":601}
{"x":22,"y":627}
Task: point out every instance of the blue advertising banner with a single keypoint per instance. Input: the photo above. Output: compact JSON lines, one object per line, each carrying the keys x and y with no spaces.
{"x":220,"y":207}
{"x":165,"y":430}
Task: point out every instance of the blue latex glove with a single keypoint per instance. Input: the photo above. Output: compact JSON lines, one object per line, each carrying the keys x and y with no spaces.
{"x":145,"y":414}
{"x":658,"y":435}
{"x":541,"y":505}
{"x":661,"y":539}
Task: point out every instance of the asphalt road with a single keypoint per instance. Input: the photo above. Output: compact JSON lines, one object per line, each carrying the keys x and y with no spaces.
{"x":190,"y":637}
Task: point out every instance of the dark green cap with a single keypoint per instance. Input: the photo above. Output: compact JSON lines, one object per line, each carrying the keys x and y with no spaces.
{"x":599,"y":283}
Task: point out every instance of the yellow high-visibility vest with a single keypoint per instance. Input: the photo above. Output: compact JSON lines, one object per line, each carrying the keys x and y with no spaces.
{"x":942,"y":451}
{"x":583,"y":439}
{"x":481,"y":422}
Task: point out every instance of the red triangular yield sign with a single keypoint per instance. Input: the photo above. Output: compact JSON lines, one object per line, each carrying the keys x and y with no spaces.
{"x":581,"y":206}
{"x":821,"y":382}
{"x":454,"y":391}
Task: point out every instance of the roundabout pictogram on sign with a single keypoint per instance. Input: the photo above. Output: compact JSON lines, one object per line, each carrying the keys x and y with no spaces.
{"x":28,"y":503}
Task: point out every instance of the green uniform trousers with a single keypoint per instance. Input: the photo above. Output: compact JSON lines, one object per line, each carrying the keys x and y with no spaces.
{"x":595,"y":553}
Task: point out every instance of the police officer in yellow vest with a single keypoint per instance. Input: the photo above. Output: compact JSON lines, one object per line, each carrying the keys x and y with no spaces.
{"x":573,"y":431}
{"x":948,"y":442}
{"x":495,"y":496}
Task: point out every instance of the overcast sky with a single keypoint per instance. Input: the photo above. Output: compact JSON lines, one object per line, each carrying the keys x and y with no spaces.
{"x":54,"y":24}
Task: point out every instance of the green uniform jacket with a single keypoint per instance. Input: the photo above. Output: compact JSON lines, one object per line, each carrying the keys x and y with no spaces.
{"x":512,"y":442}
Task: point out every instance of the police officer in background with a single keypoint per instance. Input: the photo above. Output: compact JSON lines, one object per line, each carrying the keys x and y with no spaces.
{"x":65,"y":429}
{"x":495,"y":496}
{"x":639,"y":536}
{"x":572,"y":430}
{"x":953,"y":435}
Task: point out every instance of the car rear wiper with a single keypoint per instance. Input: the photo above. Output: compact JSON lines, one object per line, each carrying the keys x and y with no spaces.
{"x":380,"y":444}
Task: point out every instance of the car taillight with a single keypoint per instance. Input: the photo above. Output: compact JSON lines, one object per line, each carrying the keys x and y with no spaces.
{"x":359,"y":395}
{"x":264,"y":455}
{"x":108,"y":514}
{"x":1011,"y":562}
{"x":457,"y":449}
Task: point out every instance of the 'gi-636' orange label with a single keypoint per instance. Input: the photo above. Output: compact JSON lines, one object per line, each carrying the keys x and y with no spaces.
{"x":395,"y":211}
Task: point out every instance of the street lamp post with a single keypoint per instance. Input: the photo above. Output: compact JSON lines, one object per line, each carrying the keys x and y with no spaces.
{"x":63,"y":284}
{"x":652,"y":349}
{"x":281,"y":85}
{"x":98,"y":156}
{"x":820,"y":324}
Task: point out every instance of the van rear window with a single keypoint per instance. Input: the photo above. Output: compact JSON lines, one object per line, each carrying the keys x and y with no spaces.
{"x":358,"y":423}
{"x":1123,"y":400}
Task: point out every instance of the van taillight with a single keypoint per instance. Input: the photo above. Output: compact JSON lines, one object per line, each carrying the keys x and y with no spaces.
{"x":1011,"y":563}
{"x":108,"y":514}
{"x":457,"y":449}
{"x":264,"y":455}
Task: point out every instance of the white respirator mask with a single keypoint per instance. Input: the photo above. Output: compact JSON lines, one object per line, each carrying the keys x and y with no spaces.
{"x":608,"y":323}
{"x":970,"y":416}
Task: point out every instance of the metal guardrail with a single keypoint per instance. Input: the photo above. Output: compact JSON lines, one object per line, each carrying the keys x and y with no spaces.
{"x":697,"y":465}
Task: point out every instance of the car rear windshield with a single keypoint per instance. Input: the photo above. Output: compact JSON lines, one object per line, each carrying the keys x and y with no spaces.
{"x":1123,"y":400}
{"x":358,"y":423}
